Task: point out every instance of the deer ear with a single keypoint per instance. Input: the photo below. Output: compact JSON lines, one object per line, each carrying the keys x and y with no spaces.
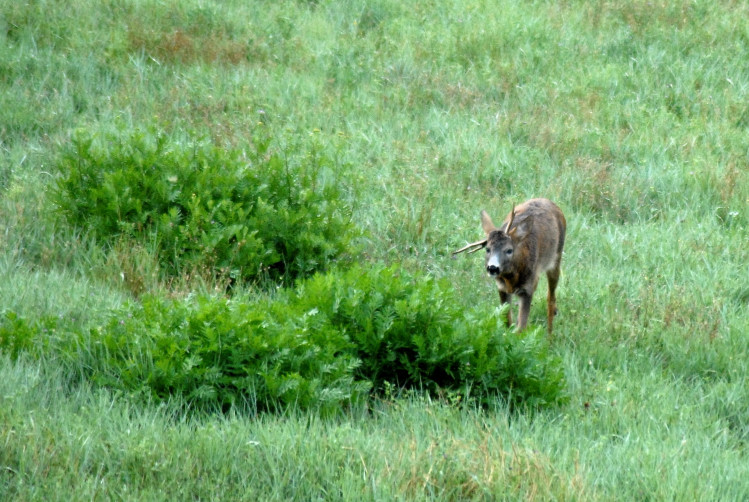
{"x":519,"y":232}
{"x":486,"y":223}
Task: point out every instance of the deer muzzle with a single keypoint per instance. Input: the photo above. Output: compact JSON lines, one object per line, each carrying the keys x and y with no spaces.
{"x":492,"y":265}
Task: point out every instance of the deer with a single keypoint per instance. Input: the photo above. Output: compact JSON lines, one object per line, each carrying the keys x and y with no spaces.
{"x":529,"y":242}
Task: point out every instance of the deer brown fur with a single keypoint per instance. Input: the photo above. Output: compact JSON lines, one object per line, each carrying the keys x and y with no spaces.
{"x":529,"y":242}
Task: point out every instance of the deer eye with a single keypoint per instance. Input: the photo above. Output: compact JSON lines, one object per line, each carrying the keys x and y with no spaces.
{"x":508,"y":252}
{"x":488,"y":250}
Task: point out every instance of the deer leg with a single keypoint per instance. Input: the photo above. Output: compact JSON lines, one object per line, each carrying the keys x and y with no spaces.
{"x":551,"y":299}
{"x":525,"y":308}
{"x":504,"y":298}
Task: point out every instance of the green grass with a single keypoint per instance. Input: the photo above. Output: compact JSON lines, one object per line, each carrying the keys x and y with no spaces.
{"x":631,"y":115}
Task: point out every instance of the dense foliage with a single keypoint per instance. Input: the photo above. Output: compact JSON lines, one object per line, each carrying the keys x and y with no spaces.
{"x":246,"y":214}
{"x":411,"y":330}
{"x":319,"y":346}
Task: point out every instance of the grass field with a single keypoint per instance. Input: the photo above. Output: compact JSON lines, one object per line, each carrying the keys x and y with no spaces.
{"x":633,"y":116}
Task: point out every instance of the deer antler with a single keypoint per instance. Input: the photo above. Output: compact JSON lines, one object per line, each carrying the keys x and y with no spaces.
{"x":476,"y":245}
{"x":512,"y":218}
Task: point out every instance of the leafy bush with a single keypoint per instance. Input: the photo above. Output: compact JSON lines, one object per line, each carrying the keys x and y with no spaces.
{"x":244,"y":214}
{"x":210,"y":353}
{"x":215,"y":353}
{"x":410,"y":330}
{"x":320,"y":346}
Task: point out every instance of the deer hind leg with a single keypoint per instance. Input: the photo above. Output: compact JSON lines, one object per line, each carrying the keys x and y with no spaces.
{"x":551,"y":299}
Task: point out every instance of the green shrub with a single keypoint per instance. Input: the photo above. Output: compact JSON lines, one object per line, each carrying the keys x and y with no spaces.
{"x":215,"y":353}
{"x":320,"y":346}
{"x":410,"y":330}
{"x":245,"y":214}
{"x":209,"y":353}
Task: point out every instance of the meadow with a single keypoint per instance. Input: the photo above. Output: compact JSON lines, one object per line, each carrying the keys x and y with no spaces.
{"x":633,"y":116}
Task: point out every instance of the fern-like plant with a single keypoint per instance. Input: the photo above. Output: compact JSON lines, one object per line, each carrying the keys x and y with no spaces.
{"x":245,"y":214}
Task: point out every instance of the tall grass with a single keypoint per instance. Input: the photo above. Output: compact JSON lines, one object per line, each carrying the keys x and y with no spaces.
{"x":631,"y":115}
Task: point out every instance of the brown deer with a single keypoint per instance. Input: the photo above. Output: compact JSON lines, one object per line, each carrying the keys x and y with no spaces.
{"x":529,"y":242}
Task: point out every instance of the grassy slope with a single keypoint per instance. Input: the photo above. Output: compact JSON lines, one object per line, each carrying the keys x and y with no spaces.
{"x":631,"y":115}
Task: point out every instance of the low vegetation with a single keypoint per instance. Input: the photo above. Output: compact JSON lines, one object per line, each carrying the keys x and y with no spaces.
{"x":321,"y":347}
{"x":243,"y":215}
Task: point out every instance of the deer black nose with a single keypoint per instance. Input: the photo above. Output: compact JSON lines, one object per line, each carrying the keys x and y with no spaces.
{"x":492,"y":269}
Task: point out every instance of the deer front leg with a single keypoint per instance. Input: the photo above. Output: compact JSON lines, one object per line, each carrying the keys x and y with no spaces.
{"x":504,"y":298}
{"x":525,"y":308}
